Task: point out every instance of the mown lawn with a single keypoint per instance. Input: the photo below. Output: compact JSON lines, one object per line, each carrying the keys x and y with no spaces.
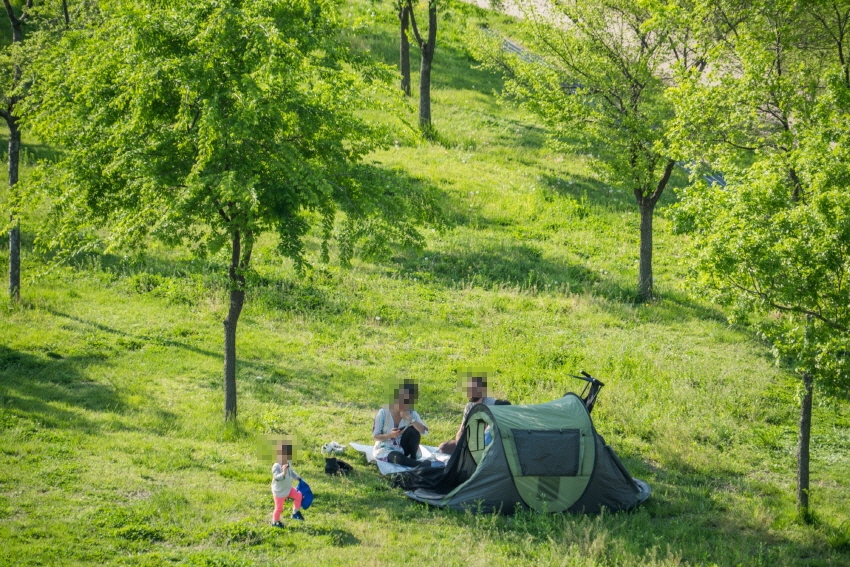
{"x":113,"y":450}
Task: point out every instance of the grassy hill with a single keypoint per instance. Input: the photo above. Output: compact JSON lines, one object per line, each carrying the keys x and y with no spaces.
{"x":113,"y":449}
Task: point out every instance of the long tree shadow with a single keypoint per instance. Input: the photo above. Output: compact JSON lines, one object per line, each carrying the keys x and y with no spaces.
{"x":136,"y":340}
{"x":45,"y":389}
{"x":500,"y":264}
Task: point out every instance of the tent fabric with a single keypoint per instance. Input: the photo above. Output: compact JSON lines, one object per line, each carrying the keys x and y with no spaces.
{"x":611,"y":485}
{"x":547,"y":457}
{"x":483,"y":487}
{"x":548,"y":488}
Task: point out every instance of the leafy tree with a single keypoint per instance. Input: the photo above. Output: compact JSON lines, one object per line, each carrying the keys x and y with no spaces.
{"x":772,"y":116}
{"x":596,"y":73}
{"x":210,"y":122}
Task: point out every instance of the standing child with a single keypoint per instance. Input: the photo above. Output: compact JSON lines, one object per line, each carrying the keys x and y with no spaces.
{"x":282,"y":477}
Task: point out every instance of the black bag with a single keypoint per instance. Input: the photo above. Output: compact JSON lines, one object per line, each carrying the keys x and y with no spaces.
{"x":337,"y":466}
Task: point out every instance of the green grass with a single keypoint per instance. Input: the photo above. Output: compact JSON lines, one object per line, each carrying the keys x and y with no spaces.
{"x":113,"y":449}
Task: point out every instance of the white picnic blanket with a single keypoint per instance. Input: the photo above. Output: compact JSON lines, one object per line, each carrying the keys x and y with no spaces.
{"x":428,"y":454}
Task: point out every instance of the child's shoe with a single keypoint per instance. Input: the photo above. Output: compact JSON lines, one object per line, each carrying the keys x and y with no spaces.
{"x":277,"y":524}
{"x":297,"y":516}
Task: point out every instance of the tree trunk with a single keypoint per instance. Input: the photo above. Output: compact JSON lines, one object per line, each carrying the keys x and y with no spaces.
{"x":15,"y":231}
{"x":15,"y":261}
{"x":14,"y":157}
{"x":237,"y":300}
{"x":404,"y":47}
{"x":647,"y":207}
{"x":646,"y":203}
{"x":427,"y":49}
{"x":425,"y":90}
{"x":803,"y":439}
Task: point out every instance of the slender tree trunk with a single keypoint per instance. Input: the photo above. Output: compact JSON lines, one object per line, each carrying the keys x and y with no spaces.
{"x":425,"y":89}
{"x":404,"y":47}
{"x":15,"y":231}
{"x":647,"y":207}
{"x":646,"y":203}
{"x":8,"y":113}
{"x":803,"y":439}
{"x":65,"y":12}
{"x":427,"y":49}
{"x":237,"y":300}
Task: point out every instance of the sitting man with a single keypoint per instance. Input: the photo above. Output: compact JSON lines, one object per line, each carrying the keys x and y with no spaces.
{"x":476,"y":393}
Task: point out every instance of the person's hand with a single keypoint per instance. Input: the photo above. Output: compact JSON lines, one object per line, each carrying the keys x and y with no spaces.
{"x":395,"y":432}
{"x":406,"y":415}
{"x":285,"y":468}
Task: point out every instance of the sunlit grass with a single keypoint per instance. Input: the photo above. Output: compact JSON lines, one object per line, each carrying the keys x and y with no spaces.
{"x":114,"y":451}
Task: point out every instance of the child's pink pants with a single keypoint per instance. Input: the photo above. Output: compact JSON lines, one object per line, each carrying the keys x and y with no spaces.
{"x":279,"y":500}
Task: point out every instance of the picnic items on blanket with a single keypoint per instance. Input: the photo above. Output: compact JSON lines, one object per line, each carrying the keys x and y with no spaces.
{"x":431,"y":454}
{"x":306,"y":494}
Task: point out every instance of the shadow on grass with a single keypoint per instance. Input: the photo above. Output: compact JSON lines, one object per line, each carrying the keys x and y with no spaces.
{"x":338,"y":537}
{"x":581,"y":188}
{"x":498,"y":265}
{"x":38,"y":388}
{"x":135,"y":340}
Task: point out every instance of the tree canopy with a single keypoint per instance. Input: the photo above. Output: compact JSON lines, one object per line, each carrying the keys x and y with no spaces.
{"x":596,"y":72}
{"x":771,"y":115}
{"x":209,"y":123}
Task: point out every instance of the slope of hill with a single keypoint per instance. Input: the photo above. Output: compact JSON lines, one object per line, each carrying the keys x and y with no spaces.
{"x":113,"y":450}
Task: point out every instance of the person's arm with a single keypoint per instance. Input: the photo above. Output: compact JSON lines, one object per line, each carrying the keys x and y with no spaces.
{"x":294,"y":474}
{"x":463,"y":420}
{"x":416,"y":422}
{"x":278,"y":473}
{"x":378,"y":433}
{"x":459,"y":431}
{"x":386,"y":436}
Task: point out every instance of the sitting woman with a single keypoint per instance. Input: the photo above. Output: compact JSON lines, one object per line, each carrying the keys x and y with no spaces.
{"x":398,"y":428}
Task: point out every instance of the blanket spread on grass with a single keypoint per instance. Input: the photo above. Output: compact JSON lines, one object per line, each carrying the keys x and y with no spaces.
{"x":428,"y":454}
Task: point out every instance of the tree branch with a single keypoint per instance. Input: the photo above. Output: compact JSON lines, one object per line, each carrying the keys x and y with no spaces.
{"x":416,"y":35}
{"x":791,"y":309}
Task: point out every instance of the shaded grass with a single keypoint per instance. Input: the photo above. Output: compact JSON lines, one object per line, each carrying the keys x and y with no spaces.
{"x":113,"y":450}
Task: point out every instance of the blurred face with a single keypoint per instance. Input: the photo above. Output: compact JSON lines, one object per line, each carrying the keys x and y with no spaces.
{"x":405,"y":400}
{"x":284,"y":454}
{"x":475,"y":391}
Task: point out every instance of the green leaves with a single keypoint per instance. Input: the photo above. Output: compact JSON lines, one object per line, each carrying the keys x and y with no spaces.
{"x":776,"y":239}
{"x":196,"y":120}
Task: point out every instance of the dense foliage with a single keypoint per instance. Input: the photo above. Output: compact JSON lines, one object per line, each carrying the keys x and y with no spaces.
{"x":771,"y":116}
{"x":596,"y":73}
{"x":209,"y":123}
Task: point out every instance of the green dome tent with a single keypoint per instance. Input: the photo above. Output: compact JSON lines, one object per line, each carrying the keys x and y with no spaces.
{"x":547,"y":457}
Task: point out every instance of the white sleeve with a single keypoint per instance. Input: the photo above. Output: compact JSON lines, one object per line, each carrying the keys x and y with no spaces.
{"x":416,"y":418}
{"x":380,"y":420}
